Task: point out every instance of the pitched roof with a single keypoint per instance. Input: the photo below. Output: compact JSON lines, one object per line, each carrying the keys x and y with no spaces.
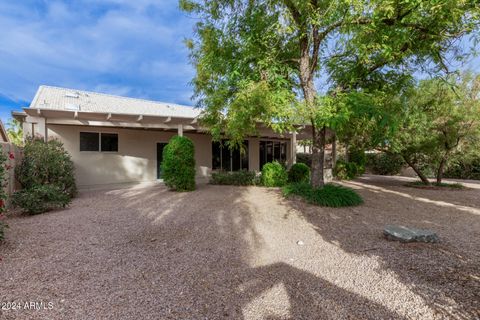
{"x":56,"y":98}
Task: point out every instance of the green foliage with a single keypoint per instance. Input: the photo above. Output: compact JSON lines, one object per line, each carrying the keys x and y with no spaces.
{"x":3,"y":194}
{"x":236,"y":178}
{"x":430,"y":121}
{"x":357,"y":156}
{"x":252,"y":58}
{"x":464,"y":168}
{"x":178,"y":165}
{"x":385,"y":163}
{"x":274,"y":175}
{"x":299,"y":172}
{"x":347,"y":170}
{"x":41,"y":198}
{"x":46,"y":174}
{"x":15,"y":132}
{"x":46,"y":163}
{"x":331,"y":195}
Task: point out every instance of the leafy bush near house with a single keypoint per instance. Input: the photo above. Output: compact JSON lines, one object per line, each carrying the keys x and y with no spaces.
{"x":46,"y":163}
{"x":464,"y":168}
{"x":41,"y":198}
{"x":274,"y":175}
{"x":46,"y":174}
{"x":3,"y":194}
{"x":347,"y":170}
{"x":331,"y":195}
{"x":299,"y":172}
{"x":236,"y":178}
{"x":178,"y":165}
{"x":384,"y":163}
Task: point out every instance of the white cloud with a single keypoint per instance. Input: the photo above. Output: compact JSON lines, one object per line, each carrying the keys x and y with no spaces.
{"x":123,"y":47}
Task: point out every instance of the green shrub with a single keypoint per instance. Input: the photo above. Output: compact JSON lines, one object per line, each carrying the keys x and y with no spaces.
{"x":464,"y":168}
{"x":274,"y":175}
{"x":46,"y":174}
{"x":346,"y":170}
{"x":178,"y":164}
{"x":46,"y":163}
{"x":384,"y":163}
{"x":358,"y":157}
{"x":299,"y":172}
{"x":236,"y":178}
{"x":331,"y":195}
{"x":41,"y":198}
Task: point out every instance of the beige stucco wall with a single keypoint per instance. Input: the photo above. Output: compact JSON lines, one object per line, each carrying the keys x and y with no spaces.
{"x":136,"y":159}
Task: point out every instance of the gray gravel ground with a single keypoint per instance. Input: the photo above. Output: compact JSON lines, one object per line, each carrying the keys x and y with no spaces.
{"x":233,"y":253}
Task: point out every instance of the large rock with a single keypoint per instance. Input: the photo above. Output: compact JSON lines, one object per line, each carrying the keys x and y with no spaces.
{"x":404,"y":234}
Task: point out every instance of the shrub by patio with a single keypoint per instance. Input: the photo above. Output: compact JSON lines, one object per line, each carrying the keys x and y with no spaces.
{"x":331,"y":195}
{"x":178,"y":165}
{"x":274,"y":175}
{"x":236,"y":178}
{"x":46,"y":175}
{"x":299,"y":172}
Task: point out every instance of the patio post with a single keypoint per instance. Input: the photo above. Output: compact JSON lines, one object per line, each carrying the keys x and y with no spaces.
{"x":180,"y":130}
{"x":293,"y":150}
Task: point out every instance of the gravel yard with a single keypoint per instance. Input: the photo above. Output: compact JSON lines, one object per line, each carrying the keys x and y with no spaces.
{"x":234,"y":253}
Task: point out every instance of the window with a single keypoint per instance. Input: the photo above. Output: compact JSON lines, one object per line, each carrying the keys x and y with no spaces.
{"x":109,"y":142}
{"x":272,"y":151}
{"x":94,"y":141}
{"x":89,"y":141}
{"x":229,"y":160}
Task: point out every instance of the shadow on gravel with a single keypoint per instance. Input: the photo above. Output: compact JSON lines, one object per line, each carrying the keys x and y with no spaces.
{"x":446,"y":275}
{"x":196,"y":249}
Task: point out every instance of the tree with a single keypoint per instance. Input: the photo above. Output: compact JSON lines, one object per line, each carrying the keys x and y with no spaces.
{"x":431,"y":120}
{"x":15,"y":132}
{"x":259,"y":60}
{"x":455,"y":115}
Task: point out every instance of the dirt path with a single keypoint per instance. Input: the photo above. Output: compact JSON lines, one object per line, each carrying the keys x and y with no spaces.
{"x":233,"y":253}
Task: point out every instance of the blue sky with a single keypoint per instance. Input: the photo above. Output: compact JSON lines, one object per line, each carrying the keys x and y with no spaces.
{"x":126,"y":47}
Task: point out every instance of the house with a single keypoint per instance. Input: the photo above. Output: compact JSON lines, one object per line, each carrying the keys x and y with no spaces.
{"x":115,"y":139}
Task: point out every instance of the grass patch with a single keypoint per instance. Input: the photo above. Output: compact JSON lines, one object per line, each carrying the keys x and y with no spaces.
{"x":435,"y":186}
{"x":331,"y":195}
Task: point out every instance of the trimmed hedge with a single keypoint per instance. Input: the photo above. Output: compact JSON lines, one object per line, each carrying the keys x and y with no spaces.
{"x":331,"y":195}
{"x":274,"y":175}
{"x":299,"y":172}
{"x":178,"y":164}
{"x":236,"y":178}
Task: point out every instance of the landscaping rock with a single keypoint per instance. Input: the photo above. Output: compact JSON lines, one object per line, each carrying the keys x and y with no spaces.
{"x":404,"y":234}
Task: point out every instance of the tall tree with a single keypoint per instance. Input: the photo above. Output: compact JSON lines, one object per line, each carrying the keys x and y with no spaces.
{"x":260,"y":60}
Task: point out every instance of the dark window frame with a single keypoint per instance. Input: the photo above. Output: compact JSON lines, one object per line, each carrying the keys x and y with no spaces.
{"x":99,"y":143}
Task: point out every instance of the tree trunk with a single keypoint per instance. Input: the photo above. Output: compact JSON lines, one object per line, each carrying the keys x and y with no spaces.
{"x":441,"y":167}
{"x":417,"y":171}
